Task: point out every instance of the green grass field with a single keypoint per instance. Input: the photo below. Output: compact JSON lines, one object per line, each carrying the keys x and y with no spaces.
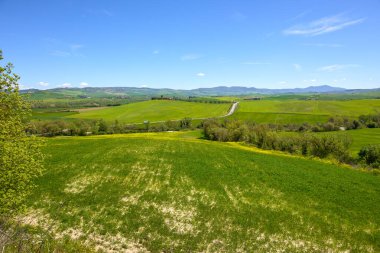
{"x":284,"y":111}
{"x":172,"y":192}
{"x":362,"y":137}
{"x":156,"y":110}
{"x":48,"y":114}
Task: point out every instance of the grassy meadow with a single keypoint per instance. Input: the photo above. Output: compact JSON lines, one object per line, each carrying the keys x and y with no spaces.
{"x":155,"y":110}
{"x":48,"y":114}
{"x":173,"y":192}
{"x":283,"y":111}
{"x":361,"y":138}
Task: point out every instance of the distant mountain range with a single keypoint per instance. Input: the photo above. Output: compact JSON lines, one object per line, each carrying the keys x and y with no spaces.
{"x":215,"y":91}
{"x":240,"y":90}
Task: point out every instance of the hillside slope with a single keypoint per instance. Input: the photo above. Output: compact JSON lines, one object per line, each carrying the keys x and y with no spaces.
{"x":172,"y":192}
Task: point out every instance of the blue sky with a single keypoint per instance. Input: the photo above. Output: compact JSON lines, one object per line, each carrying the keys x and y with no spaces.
{"x":189,"y":44}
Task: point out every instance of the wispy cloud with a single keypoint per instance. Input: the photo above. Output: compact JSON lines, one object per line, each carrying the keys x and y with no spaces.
{"x":201,"y":74}
{"x":44,"y":84}
{"x":65,"y":85}
{"x":323,"y":25}
{"x":104,"y":12}
{"x":255,"y":63}
{"x":190,"y":57}
{"x":297,"y":67}
{"x":63,"y":49}
{"x":336,"y":67}
{"x":310,"y":81}
{"x":83,"y":84}
{"x":156,"y":51}
{"x":300,"y":15}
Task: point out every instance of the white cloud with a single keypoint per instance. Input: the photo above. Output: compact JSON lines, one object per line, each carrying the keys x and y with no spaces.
{"x":190,"y":57}
{"x":44,"y":84}
{"x":156,"y":52}
{"x":310,"y":81}
{"x":66,"y":85}
{"x":144,"y":86}
{"x":201,"y":74}
{"x":297,"y":67}
{"x":323,"y":25}
{"x":282,"y":82}
{"x":336,"y":67}
{"x":83,"y":84}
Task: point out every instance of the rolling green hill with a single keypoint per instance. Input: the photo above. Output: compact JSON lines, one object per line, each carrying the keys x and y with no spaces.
{"x":155,"y":110}
{"x":171,"y":192}
{"x":300,"y":111}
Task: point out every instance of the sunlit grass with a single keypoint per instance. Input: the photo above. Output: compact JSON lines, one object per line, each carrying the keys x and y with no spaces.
{"x":174,"y":192}
{"x":156,"y":110}
{"x":283,"y":111}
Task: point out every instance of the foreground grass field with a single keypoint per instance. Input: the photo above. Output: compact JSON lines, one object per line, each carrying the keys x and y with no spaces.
{"x":156,"y":110}
{"x":171,"y":192}
{"x":283,"y":111}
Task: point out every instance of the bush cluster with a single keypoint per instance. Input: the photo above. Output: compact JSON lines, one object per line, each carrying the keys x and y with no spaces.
{"x":78,"y":103}
{"x":370,"y":155}
{"x":333,"y":124}
{"x":95,"y":127}
{"x":262,"y":136}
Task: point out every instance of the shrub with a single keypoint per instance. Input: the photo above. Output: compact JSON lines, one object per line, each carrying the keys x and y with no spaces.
{"x":370,"y":155}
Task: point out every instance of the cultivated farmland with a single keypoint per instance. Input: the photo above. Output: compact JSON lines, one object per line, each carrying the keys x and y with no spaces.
{"x":155,"y":110}
{"x":284,"y":111}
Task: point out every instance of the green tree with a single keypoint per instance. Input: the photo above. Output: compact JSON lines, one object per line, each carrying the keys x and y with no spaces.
{"x":20,"y":155}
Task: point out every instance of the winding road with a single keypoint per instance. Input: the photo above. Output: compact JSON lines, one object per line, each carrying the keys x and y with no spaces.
{"x":232,"y":110}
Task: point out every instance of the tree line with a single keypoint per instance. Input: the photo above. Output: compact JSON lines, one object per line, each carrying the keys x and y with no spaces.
{"x":96,"y":127}
{"x":307,"y":143}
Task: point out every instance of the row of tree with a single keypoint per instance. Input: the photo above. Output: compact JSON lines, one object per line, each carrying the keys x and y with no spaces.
{"x":326,"y":145}
{"x":193,"y":99}
{"x":95,"y":127}
{"x":77,"y":103}
{"x":333,"y":124}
